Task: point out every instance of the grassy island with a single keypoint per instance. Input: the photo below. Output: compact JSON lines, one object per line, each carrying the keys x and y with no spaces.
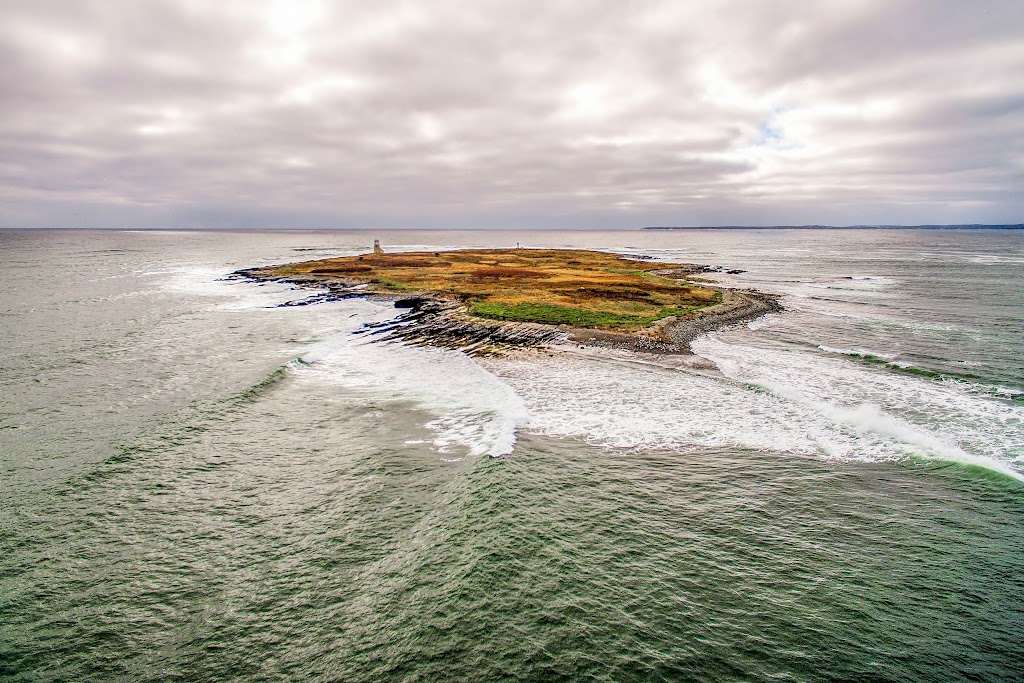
{"x":590,"y":289}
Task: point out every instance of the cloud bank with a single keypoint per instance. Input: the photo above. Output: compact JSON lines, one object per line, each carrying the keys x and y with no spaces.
{"x":307,"y":113}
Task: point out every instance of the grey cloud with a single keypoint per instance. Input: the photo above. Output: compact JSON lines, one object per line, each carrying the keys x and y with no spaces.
{"x":602,"y":114}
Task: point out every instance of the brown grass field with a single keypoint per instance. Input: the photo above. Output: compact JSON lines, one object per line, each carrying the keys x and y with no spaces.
{"x":553,"y":286}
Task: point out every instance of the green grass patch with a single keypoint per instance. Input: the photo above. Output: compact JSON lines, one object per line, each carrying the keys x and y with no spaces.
{"x":565,"y":315}
{"x":392,"y":285}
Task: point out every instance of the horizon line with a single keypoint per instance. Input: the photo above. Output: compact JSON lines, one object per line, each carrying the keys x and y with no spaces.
{"x":809,"y":226}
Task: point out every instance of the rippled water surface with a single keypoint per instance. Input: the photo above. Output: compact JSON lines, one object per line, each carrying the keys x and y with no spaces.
{"x":197,"y":485}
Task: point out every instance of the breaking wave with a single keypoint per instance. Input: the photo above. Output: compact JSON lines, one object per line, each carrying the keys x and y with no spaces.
{"x":473,"y":408}
{"x":767,"y":400}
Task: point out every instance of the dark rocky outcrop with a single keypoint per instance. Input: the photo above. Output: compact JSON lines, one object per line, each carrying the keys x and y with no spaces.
{"x":430,"y":322}
{"x":736,"y":308}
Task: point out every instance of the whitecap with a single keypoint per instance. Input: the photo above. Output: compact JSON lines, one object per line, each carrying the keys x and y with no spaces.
{"x":473,"y":409}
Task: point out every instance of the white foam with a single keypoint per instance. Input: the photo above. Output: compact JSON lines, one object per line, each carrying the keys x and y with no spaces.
{"x":628,"y":405}
{"x":834,"y":308}
{"x":231,"y":295}
{"x":473,"y":408}
{"x":894,"y":414}
{"x":768,"y":399}
{"x":856,"y":352}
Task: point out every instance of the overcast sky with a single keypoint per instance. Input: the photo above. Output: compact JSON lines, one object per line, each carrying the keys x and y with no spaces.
{"x":435,"y":113}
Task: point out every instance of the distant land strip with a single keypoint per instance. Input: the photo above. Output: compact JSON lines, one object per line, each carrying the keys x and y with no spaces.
{"x":967,"y":226}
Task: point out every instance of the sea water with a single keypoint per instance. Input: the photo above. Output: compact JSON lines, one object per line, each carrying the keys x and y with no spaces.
{"x":199,"y":485}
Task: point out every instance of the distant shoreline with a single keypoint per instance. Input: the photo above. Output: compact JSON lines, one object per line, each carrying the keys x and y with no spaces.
{"x":971,"y":226}
{"x":301,"y":229}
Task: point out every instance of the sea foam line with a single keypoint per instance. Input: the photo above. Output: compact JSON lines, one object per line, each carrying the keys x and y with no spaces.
{"x":943,"y":419}
{"x":471,"y":407}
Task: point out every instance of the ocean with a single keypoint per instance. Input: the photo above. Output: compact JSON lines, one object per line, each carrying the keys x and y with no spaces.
{"x":199,"y":485}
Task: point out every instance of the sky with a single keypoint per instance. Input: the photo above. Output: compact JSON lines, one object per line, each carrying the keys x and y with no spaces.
{"x":517,"y":114}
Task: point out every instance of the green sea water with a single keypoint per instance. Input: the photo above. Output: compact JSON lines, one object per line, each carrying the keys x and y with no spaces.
{"x":183,"y":500}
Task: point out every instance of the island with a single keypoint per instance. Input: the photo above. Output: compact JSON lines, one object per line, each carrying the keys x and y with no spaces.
{"x":492,"y":301}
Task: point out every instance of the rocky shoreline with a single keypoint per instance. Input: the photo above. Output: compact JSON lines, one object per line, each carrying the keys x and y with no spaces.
{"x":674,"y":335}
{"x":431,"y":321}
